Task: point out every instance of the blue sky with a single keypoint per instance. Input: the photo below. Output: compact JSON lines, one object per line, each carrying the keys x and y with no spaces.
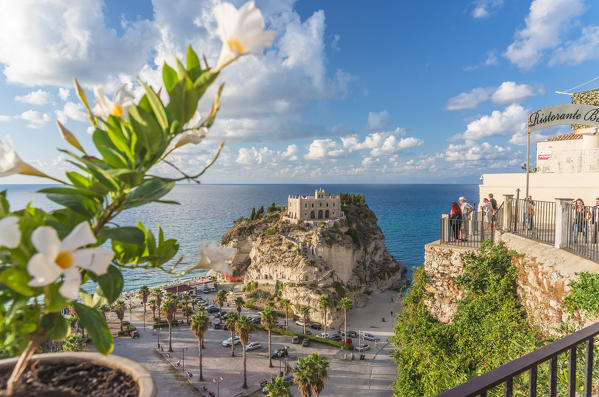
{"x":350,"y":91}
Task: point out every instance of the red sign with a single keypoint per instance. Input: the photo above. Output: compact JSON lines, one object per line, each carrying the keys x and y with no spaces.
{"x":544,"y":155}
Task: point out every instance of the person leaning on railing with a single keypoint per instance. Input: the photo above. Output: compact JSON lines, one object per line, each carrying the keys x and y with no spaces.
{"x":595,"y":221}
{"x":581,"y":215}
{"x":455,"y":220}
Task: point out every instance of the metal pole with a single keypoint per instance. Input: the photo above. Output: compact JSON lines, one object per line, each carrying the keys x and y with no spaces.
{"x":527,"y":159}
{"x":183,"y":349}
{"x":158,"y":337}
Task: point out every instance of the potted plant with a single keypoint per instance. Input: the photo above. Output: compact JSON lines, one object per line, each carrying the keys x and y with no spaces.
{"x":46,"y":256}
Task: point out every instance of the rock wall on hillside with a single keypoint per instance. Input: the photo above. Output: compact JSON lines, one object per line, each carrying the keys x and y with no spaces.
{"x":345,"y":257}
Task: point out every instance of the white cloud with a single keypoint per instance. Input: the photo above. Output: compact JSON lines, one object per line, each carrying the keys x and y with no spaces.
{"x":468,"y":100}
{"x":38,"y":97}
{"x":510,"y":121}
{"x":291,"y":153}
{"x":64,"y":93}
{"x":322,"y":148}
{"x":484,"y":8}
{"x":73,"y":111}
{"x":491,"y":60}
{"x":546,"y":23}
{"x":472,"y":151}
{"x":380,"y":143}
{"x":510,"y":92}
{"x":379,"y":121}
{"x":576,"y":51}
{"x":253,"y":156}
{"x":35,"y":118}
{"x":47,"y":43}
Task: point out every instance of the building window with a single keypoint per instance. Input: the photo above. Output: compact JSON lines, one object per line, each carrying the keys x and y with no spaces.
{"x":327,"y":204}
{"x":333,"y":204}
{"x":321,"y":204}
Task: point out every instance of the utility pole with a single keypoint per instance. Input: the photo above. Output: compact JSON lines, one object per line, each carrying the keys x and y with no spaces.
{"x":183,"y":350}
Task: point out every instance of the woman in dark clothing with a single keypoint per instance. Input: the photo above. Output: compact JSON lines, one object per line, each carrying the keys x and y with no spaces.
{"x":455,"y":217}
{"x":581,"y":214}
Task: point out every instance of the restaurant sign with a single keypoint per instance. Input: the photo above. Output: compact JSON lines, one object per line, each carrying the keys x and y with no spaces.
{"x":563,"y":114}
{"x":544,"y":155}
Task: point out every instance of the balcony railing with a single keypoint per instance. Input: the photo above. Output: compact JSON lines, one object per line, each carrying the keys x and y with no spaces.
{"x":505,"y":374}
{"x":583,"y":224}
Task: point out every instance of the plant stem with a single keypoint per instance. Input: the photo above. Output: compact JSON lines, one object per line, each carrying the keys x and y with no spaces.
{"x":17,"y":373}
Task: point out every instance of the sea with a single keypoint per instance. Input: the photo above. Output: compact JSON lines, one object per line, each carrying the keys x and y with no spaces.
{"x":408,"y":214}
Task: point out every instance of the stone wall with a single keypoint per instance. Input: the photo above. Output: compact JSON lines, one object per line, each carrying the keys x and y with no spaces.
{"x":544,"y":275}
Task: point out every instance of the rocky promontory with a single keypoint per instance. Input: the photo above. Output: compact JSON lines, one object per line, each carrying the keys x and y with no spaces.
{"x":302,"y":260}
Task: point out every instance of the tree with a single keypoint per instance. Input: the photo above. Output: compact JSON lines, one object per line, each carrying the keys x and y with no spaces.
{"x":277,"y":388}
{"x":74,"y":343}
{"x":152,"y":303}
{"x":305,"y":311}
{"x":324,"y":302}
{"x":230,"y":321}
{"x":310,"y":374}
{"x":346,"y":304}
{"x":187,"y":311}
{"x":221,"y":298}
{"x":170,"y":309}
{"x":104,"y":309}
{"x":199,"y":326}
{"x":239,"y":302}
{"x":193,"y":301}
{"x":272,"y":208}
{"x":158,"y":296}
{"x":243,"y":327}
{"x":269,"y":320}
{"x":286,"y":304}
{"x":144,"y":293}
{"x":119,"y":310}
{"x":253,"y":214}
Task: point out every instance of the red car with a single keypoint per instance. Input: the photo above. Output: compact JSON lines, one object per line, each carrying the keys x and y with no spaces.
{"x":348,"y":341}
{"x":134,"y":334}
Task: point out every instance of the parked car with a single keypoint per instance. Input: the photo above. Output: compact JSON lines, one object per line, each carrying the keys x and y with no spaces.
{"x":212,"y":309}
{"x":323,"y":335}
{"x":352,"y":334}
{"x":308,"y":332}
{"x":300,"y":323}
{"x":306,"y":342}
{"x":212,"y":289}
{"x":256,"y":320}
{"x":227,"y":342}
{"x":134,"y":334}
{"x":316,"y":326}
{"x":369,"y":337}
{"x":335,"y":337}
{"x":287,"y":380}
{"x":296,"y":340}
{"x":349,"y":341}
{"x":282,"y":352}
{"x":362,"y":348}
{"x":253,"y":346}
{"x":217,"y":326}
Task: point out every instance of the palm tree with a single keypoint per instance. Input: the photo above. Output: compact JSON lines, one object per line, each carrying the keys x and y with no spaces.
{"x":305,"y":311}
{"x":144,"y":292}
{"x":243,"y":327}
{"x":187,"y":311}
{"x":277,"y":388}
{"x":199,"y":325}
{"x":230,"y":321}
{"x":286,"y":304}
{"x":152,"y":303}
{"x":193,"y":301}
{"x":269,"y":319}
{"x":324,"y":302}
{"x":158,"y":295}
{"x":119,"y":310}
{"x":221,"y":298}
{"x":346,"y":304}
{"x":239,"y":302}
{"x":104,"y":309}
{"x":310,"y":374}
{"x":170,"y":309}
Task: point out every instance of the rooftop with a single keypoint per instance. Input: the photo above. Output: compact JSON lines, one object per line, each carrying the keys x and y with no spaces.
{"x":564,"y":137}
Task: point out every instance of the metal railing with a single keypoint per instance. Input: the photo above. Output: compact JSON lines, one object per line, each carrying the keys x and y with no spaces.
{"x":583,"y":225}
{"x":533,"y":219}
{"x":467,"y":232}
{"x":505,"y":374}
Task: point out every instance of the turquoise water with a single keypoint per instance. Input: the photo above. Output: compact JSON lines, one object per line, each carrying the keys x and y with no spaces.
{"x":408,"y":215}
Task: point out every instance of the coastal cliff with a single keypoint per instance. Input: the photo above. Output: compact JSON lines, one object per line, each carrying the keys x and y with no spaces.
{"x":303,"y":260}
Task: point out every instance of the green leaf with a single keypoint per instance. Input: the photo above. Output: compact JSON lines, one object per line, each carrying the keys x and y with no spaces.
{"x":148,"y":131}
{"x":55,"y":302}
{"x":67,"y":190}
{"x":110,"y":154}
{"x":150,"y":190}
{"x":95,"y":324}
{"x":17,"y":280}
{"x":4,"y":207}
{"x":157,"y":107}
{"x":169,"y":76}
{"x":80,"y":205}
{"x":57,"y":327}
{"x":110,"y":284}
{"x":125,"y":234}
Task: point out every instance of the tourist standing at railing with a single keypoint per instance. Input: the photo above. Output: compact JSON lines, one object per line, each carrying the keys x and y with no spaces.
{"x":494,"y":209}
{"x":595,"y":221}
{"x":487,"y":211}
{"x":455,"y":220}
{"x":467,"y":210}
{"x":581,"y":214}
{"x":529,"y":213}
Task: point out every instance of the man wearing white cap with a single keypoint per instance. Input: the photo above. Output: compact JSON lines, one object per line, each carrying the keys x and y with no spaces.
{"x":466,"y":212}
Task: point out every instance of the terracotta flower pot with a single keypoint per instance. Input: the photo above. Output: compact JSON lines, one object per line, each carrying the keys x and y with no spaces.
{"x":147,"y":388}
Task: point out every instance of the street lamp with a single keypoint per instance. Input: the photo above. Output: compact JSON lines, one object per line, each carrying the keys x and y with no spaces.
{"x":158,"y":338}
{"x":217,"y":381}
{"x":183,"y":350}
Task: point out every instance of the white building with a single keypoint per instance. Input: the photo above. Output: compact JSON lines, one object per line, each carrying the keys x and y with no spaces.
{"x":321,"y":206}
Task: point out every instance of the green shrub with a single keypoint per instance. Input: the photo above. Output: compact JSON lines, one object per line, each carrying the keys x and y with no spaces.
{"x":74,"y":343}
{"x":271,"y":231}
{"x":281,"y":331}
{"x":584,"y":295}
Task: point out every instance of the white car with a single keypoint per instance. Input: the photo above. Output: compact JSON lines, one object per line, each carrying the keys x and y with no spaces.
{"x":369,"y":337}
{"x":362,"y":348}
{"x":300,"y":323}
{"x":227,"y":342}
{"x":252,"y":346}
{"x":323,"y":335}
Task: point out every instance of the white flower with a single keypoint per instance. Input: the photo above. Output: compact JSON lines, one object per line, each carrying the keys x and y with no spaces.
{"x":11,"y":163}
{"x":241,"y":31}
{"x":213,"y":256}
{"x":10,"y":234}
{"x":56,"y":258}
{"x":117,"y":107}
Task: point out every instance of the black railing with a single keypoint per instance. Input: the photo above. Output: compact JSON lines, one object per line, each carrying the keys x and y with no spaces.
{"x":530,"y":363}
{"x":583,"y":224}
{"x":533,"y":219}
{"x":467,"y":232}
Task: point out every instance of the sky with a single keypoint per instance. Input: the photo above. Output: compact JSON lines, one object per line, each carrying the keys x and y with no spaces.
{"x":350,"y":91}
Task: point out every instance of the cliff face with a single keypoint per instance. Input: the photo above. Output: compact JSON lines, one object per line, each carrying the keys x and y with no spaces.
{"x":345,"y":257}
